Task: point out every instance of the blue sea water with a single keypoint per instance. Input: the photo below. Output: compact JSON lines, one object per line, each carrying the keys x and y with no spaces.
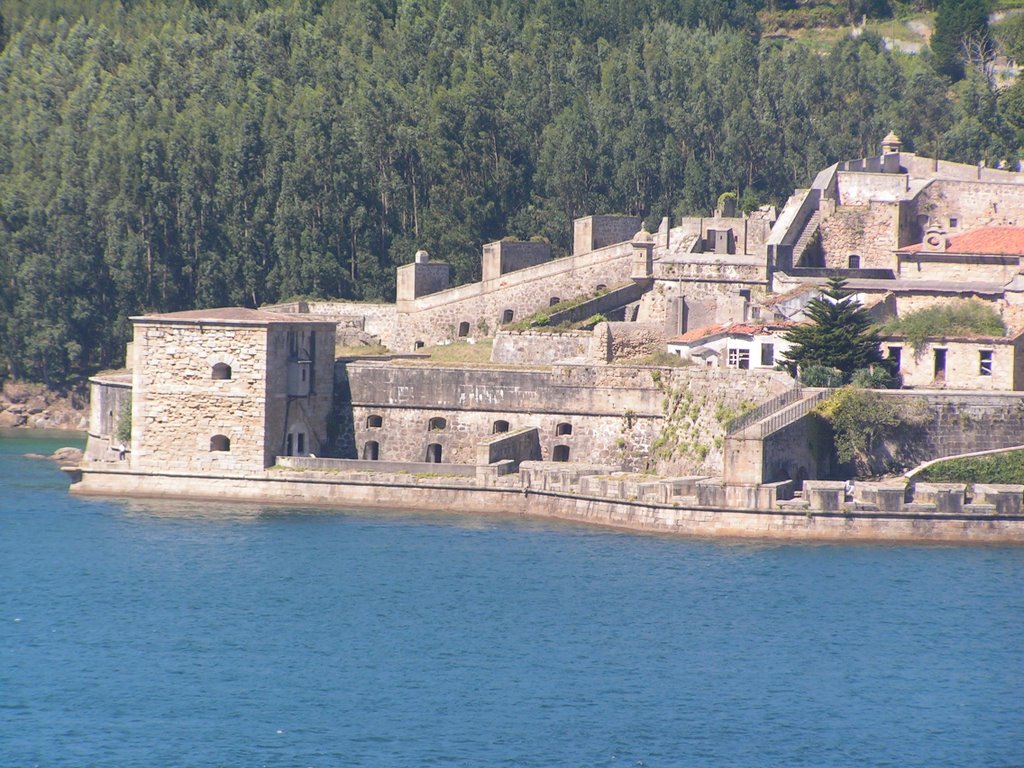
{"x":145,"y":633}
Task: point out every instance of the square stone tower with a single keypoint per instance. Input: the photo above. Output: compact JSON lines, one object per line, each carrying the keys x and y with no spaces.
{"x":229,"y":389}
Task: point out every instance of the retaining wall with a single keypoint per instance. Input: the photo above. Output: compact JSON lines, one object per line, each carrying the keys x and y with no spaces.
{"x":435,"y":496}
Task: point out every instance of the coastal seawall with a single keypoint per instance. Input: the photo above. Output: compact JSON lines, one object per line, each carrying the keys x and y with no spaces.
{"x":446,"y":494}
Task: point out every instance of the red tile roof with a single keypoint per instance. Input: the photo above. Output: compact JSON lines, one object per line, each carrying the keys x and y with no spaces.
{"x":987,"y":241}
{"x":732,"y":329}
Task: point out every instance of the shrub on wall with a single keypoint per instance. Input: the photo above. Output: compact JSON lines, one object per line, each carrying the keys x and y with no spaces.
{"x":875,"y":434}
{"x":123,"y":433}
{"x":960,"y":317}
{"x":874,"y":378}
{"x":821,"y":376}
{"x":998,"y":468}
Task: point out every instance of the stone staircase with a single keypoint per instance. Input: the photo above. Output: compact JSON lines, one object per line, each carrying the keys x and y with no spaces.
{"x":806,"y":235}
{"x":777,"y":413}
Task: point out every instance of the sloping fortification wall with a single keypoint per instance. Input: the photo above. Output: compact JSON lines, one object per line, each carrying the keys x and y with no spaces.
{"x":483,"y":306}
{"x":638,"y":417}
{"x":965,"y":422}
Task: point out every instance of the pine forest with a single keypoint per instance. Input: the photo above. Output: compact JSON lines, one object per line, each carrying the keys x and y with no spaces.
{"x":159,"y":155}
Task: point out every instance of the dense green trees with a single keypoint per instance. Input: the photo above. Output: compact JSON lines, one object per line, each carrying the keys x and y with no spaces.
{"x":961,"y":33}
{"x":163,"y":154}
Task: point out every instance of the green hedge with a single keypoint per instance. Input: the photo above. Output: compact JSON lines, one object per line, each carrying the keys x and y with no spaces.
{"x":998,"y":468}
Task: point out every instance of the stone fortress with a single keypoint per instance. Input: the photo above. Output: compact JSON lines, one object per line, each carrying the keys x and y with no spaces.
{"x":573,"y":416}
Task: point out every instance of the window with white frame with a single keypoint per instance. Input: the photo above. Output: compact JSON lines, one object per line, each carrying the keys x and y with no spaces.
{"x":738,"y":357}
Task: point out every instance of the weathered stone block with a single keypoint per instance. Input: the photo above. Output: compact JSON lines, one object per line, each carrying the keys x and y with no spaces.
{"x":948,"y":498}
{"x":825,"y":495}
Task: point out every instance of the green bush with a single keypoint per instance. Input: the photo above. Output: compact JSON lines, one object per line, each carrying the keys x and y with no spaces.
{"x":873,"y":378}
{"x":662,"y":359}
{"x":960,"y":317}
{"x":123,"y":433}
{"x":591,"y":321}
{"x":821,"y":376}
{"x":997,"y":468}
{"x":862,"y":421}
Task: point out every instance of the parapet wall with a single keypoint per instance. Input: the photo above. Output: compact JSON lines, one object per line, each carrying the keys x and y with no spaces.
{"x":538,"y":347}
{"x":668,"y":419}
{"x":372,"y":319}
{"x":481,"y":308}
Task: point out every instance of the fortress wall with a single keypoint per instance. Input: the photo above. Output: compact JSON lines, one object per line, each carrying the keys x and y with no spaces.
{"x":627,"y":341}
{"x":106,"y":399}
{"x":965,"y":423}
{"x":858,"y":188}
{"x":377,"y":319}
{"x":437,"y":317}
{"x":871,"y":232}
{"x":307,"y":414}
{"x":405,"y":433}
{"x":177,"y":408}
{"x":409,"y":492}
{"x":538,"y":348}
{"x":974,"y":204}
{"x":616,"y":413}
{"x":711,"y":274}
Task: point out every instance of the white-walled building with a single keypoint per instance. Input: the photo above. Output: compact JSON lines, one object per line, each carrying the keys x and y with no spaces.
{"x":734,"y":345}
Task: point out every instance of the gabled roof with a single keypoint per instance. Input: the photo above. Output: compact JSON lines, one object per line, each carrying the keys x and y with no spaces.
{"x":987,"y":241}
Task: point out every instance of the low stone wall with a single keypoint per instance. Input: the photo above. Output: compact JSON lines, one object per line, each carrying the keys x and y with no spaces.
{"x":516,"y":446}
{"x":295,"y":488}
{"x":539,"y":348}
{"x":372,"y":319}
{"x":359,"y":465}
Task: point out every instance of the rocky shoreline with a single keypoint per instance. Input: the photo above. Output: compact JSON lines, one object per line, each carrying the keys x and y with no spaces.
{"x":33,"y":406}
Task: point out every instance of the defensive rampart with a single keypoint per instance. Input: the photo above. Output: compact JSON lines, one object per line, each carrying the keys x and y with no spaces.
{"x":849,"y":521}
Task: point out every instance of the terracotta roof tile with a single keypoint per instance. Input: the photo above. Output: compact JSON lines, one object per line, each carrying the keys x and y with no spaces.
{"x":732,"y":329}
{"x":987,"y":241}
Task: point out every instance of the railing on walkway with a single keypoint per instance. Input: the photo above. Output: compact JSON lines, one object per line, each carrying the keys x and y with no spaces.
{"x":786,"y":417}
{"x":764,"y":410}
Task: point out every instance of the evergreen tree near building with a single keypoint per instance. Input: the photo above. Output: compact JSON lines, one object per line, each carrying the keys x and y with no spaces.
{"x":840,"y":336}
{"x":959,"y":24}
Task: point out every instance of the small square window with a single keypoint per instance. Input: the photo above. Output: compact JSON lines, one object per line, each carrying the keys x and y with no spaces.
{"x":739,"y":358}
{"x":953,"y":222}
{"x":985,"y":362}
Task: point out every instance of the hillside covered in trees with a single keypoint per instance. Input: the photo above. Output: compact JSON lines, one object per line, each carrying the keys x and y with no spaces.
{"x":158,"y":155}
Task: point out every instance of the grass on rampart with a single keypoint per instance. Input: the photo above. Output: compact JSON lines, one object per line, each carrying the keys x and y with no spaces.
{"x":361,"y":350}
{"x":539,"y":320}
{"x":461,"y":352}
{"x":950,"y":319}
{"x":660,"y":359}
{"x":998,"y":468}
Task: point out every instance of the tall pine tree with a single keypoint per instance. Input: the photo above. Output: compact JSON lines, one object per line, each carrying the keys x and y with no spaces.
{"x":840,"y":335}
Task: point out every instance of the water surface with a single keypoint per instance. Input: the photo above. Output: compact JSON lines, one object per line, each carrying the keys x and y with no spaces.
{"x":172,"y":633}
